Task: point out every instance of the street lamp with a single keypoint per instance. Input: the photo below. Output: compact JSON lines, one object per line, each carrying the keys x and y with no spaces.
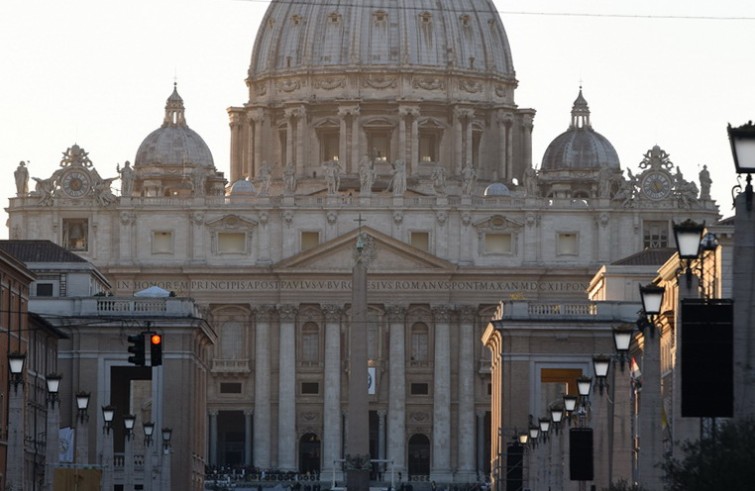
{"x":128,"y":425}
{"x":108,"y":413}
{"x":557,"y":415}
{"x":53,"y":387}
{"x":165,"y":470}
{"x":82,"y":404}
{"x":688,"y":236}
{"x":149,"y":430}
{"x":600,"y":366}
{"x":652,"y":299}
{"x":583,"y":386}
{"x":622,"y":341}
{"x":742,"y":141}
{"x":16,"y":364}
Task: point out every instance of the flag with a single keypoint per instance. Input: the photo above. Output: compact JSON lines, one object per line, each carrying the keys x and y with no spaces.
{"x":65,"y":438}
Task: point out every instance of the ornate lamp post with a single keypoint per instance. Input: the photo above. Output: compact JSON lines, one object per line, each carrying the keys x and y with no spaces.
{"x":650,"y":435}
{"x":128,"y":465}
{"x":742,"y":141}
{"x":53,"y":425}
{"x":15,"y":479}
{"x":165,"y":470}
{"x":81,"y":455}
{"x":149,"y":430}
{"x":108,"y":413}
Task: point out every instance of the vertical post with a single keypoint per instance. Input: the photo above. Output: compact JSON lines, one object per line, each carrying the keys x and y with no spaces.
{"x":357,"y":443}
{"x":107,"y":461}
{"x":651,"y":452}
{"x":16,"y":424}
{"x":52,"y":445}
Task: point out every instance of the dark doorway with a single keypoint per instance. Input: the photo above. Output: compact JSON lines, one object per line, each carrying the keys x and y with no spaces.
{"x":231,"y":433}
{"x":419,"y":456}
{"x":309,"y":454}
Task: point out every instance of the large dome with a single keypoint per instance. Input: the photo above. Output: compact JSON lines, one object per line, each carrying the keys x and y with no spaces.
{"x":174,"y":143}
{"x":580,"y":147}
{"x":461,"y":36}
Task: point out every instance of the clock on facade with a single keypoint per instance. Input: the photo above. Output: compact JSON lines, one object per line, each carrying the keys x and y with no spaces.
{"x":656,"y":185}
{"x":76,"y":183}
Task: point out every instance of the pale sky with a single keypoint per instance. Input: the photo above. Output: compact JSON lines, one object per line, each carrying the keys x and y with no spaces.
{"x":97,"y":73}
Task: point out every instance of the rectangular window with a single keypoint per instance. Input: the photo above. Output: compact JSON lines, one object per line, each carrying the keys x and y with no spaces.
{"x":230,"y":388}
{"x":428,"y":147}
{"x":379,"y":145}
{"x":567,"y":244}
{"x":329,"y":145}
{"x":44,"y":289}
{"x":162,"y":242}
{"x":310,"y":388}
{"x":420,"y":240}
{"x":310,"y":347}
{"x":498,"y":243}
{"x":655,"y":234}
{"x":231,"y":243}
{"x":309,"y":240}
{"x":420,"y":389}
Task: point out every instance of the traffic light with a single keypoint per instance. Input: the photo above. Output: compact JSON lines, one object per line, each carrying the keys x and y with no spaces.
{"x":156,"y":349}
{"x":136,"y":347}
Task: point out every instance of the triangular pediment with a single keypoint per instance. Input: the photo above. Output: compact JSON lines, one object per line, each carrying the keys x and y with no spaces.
{"x":390,"y":255}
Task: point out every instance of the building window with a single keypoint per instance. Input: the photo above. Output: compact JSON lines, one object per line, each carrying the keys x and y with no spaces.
{"x":499,"y":243}
{"x":420,"y":344}
{"x":230,"y":388}
{"x":429,"y":146}
{"x":420,"y":389}
{"x":379,"y":145}
{"x":231,"y":243}
{"x":310,"y":388}
{"x":655,"y":235}
{"x":309,"y":240}
{"x":420,"y":240}
{"x":44,"y":289}
{"x":310,"y":343}
{"x":329,"y":145}
{"x":76,"y":234}
{"x":231,"y":341}
{"x":162,"y":242}
{"x":567,"y":244}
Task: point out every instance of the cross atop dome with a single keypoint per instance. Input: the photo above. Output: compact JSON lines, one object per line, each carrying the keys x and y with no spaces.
{"x":174,"y":109}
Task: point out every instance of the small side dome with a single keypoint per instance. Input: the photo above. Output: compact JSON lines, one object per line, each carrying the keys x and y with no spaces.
{"x":496,"y":189}
{"x":174,"y":143}
{"x":242,"y":187}
{"x":580,"y":147}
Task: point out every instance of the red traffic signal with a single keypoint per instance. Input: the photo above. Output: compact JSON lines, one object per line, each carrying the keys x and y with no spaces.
{"x":156,"y":349}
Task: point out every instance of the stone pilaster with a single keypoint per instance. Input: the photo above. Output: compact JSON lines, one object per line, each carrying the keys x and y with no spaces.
{"x":262,"y":409}
{"x":397,"y":382}
{"x":466,"y":425}
{"x":331,"y":445}
{"x":440,"y":469}
{"x":287,"y":389}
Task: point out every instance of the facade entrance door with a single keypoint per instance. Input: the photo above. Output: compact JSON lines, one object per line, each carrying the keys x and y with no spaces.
{"x":309,"y":454}
{"x":419,"y":456}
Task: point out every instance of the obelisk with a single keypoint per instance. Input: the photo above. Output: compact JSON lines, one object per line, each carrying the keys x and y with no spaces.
{"x":357,"y":442}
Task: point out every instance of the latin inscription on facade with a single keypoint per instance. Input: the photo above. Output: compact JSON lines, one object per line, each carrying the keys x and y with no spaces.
{"x":186,"y":287}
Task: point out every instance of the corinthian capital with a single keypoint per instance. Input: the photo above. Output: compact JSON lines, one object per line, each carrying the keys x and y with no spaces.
{"x":333,"y":312}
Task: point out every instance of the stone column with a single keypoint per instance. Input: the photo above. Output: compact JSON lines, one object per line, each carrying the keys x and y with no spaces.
{"x":301,"y":133}
{"x":402,"y":135}
{"x":650,"y":433}
{"x":287,"y":389}
{"x":440,"y":470}
{"x":621,"y":455}
{"x":480,"y":444}
{"x":527,"y":138}
{"x":128,"y":462}
{"x":331,"y":442}
{"x":289,"y":114}
{"x":397,"y":389}
{"x":414,"y":141}
{"x":262,"y":420}
{"x":458,"y":141}
{"x":213,"y":437}
{"x":236,"y":125}
{"x":468,"y":154}
{"x":466,"y":413}
{"x":381,"y":433}
{"x":257,"y":116}
{"x":107,"y":460}
{"x":248,"y":436}
{"x":342,"y":144}
{"x":355,"y":154}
